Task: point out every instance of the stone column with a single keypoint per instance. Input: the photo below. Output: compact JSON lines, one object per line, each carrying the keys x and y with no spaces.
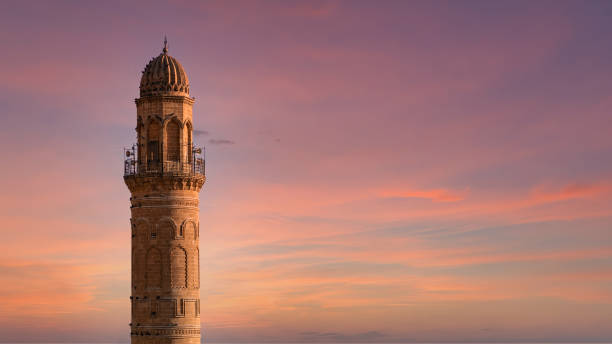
{"x":165,"y":259}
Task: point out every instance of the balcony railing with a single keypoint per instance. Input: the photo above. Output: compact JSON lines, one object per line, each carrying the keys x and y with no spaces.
{"x":194,"y":167}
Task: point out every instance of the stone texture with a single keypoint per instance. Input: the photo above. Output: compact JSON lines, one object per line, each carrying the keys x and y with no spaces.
{"x":164,"y":75}
{"x":165,"y":217}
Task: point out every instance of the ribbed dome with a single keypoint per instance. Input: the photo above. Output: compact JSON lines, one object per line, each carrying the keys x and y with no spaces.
{"x":164,"y":75}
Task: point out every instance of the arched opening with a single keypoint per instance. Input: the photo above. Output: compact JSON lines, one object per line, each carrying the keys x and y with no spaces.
{"x":178,"y":267}
{"x":153,"y":143}
{"x":153,"y":268}
{"x":173,"y":137}
{"x":189,"y":142}
{"x":138,"y":271}
{"x":197,"y":266}
{"x":188,"y":230}
{"x":140,"y":131}
{"x":141,"y":231}
{"x":167,"y":229}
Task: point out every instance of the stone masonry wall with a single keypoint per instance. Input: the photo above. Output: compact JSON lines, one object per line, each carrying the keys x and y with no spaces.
{"x":165,"y":230}
{"x":165,"y":267}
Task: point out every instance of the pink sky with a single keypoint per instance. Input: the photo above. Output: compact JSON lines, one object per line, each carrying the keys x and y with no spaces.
{"x":376,"y":171}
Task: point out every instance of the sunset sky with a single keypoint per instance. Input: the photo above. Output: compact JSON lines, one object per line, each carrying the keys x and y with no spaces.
{"x":382,"y":171}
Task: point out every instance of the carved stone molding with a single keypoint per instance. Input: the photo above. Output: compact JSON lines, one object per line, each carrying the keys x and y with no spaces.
{"x":164,"y":202}
{"x":164,"y":332}
{"x":160,"y":183}
{"x":165,"y":99}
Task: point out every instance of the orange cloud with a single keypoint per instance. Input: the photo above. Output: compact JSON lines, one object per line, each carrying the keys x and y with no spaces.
{"x":44,"y":289}
{"x":547,"y":194}
{"x":439,"y":195}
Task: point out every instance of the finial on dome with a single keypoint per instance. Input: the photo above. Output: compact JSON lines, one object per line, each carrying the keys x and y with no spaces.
{"x":165,"y":50}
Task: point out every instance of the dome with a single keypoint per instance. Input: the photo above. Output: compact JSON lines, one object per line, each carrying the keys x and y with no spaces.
{"x":164,"y":75}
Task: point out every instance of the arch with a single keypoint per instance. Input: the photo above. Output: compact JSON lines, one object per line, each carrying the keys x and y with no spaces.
{"x":140,"y":132}
{"x":166,"y":228}
{"x":178,"y":267}
{"x":138,"y":269}
{"x":141,"y":230}
{"x":197,"y":266}
{"x":133,"y":227}
{"x":153,"y":273}
{"x":153,"y":142}
{"x":189,"y":229}
{"x":173,"y":140}
{"x":140,"y":127}
{"x":189,"y":143}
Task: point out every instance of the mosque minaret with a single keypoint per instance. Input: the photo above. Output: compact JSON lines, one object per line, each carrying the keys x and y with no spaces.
{"x":164,"y":172}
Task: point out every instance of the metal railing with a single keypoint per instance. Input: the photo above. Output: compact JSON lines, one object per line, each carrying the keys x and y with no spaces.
{"x":133,"y":166}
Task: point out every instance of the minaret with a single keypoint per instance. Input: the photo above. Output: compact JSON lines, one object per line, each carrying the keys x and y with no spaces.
{"x":165,"y":172}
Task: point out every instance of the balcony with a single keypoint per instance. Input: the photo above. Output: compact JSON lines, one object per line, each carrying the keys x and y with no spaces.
{"x":134,"y":167}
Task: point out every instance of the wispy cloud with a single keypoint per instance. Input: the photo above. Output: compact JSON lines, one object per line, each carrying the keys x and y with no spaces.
{"x":221,"y":142}
{"x":198,"y":133}
{"x":316,"y":337}
{"x":438,"y":195}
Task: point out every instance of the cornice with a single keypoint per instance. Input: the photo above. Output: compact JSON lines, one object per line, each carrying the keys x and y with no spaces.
{"x":155,"y":183}
{"x":166,"y":99}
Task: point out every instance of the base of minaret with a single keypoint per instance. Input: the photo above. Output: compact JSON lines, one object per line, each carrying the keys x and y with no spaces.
{"x":165,"y":259}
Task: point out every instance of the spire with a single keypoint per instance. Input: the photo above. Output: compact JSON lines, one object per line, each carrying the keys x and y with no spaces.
{"x":165,"y":50}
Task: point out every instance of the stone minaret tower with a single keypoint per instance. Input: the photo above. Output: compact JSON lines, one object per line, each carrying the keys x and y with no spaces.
{"x":164,"y":172}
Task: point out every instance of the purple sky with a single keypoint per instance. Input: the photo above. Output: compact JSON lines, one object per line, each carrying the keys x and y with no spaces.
{"x":376,"y":171}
